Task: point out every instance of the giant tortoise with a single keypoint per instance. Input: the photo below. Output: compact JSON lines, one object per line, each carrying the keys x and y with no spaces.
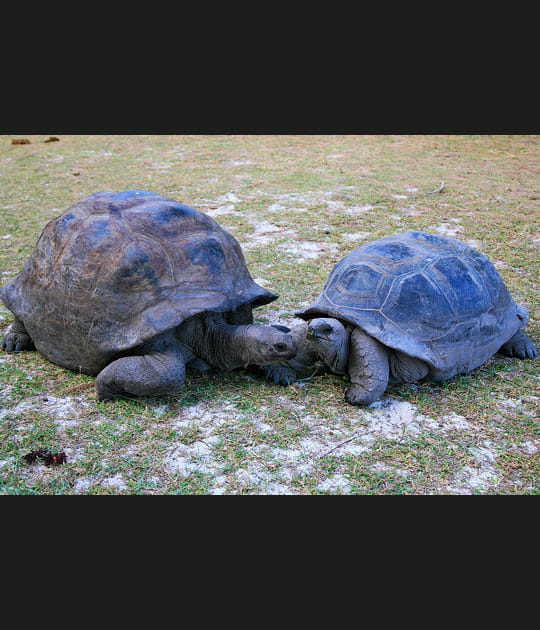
{"x":402,"y":308}
{"x":131,"y":286}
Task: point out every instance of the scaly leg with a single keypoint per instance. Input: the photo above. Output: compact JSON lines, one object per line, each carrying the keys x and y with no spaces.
{"x":158,"y":371}
{"x":368,"y":369}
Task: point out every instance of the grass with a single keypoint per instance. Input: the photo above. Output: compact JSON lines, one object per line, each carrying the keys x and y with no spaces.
{"x":297,"y":204}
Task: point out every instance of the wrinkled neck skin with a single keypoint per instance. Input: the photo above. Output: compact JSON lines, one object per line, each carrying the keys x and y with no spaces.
{"x":335,"y":354}
{"x":221,"y":345}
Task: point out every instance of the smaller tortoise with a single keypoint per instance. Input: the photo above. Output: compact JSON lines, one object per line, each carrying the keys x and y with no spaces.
{"x":133,"y":287}
{"x":402,"y":308}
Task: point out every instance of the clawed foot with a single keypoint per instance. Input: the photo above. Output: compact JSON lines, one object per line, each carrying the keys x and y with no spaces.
{"x":520,"y":346}
{"x":356,"y":395}
{"x":279,"y":374}
{"x":523,"y":351}
{"x":107,"y":388}
{"x":15,"y":341}
{"x":107,"y":391}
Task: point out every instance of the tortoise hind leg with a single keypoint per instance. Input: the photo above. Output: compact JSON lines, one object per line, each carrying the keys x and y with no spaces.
{"x":368,"y":369}
{"x":520,"y":346}
{"x":16,"y":338}
{"x":158,"y":372}
{"x":406,"y":369}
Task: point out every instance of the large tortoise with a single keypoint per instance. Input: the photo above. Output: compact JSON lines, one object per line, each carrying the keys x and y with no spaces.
{"x":402,"y":308}
{"x":131,"y":286}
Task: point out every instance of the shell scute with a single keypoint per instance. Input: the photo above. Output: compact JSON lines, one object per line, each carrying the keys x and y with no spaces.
{"x":418,"y":306}
{"x":464,"y":287}
{"x":395,"y":252}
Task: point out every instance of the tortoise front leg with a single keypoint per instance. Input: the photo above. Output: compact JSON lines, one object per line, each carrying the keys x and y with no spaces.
{"x":520,"y":346}
{"x":368,"y":369}
{"x":280,"y":374}
{"x":159,"y":372}
{"x":16,"y":338}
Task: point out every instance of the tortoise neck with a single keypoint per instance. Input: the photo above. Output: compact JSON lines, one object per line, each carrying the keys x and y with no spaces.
{"x":221,"y":345}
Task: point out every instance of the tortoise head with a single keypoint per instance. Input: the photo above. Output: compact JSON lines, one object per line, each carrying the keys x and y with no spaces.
{"x":268,"y":345}
{"x":329,"y":338}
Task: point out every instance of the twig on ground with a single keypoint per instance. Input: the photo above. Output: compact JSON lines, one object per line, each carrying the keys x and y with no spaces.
{"x":345,"y":442}
{"x":438,"y":190}
{"x":74,"y":388}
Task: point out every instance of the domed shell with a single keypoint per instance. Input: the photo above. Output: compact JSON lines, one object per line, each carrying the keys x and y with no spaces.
{"x":430,"y":296}
{"x":117,"y":268}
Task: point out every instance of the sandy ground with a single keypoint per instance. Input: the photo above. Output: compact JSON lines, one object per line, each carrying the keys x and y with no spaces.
{"x":270,"y":470}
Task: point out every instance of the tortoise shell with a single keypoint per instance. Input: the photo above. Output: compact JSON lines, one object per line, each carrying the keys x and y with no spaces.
{"x":117,"y":268}
{"x":432,"y":297}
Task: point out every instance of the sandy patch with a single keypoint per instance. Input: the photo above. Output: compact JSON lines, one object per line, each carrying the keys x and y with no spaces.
{"x":265,"y":233}
{"x":265,"y":227}
{"x":356,"y":210}
{"x":270,"y":469}
{"x":240,"y":162}
{"x":220,"y":210}
{"x":482,"y":478}
{"x":19,"y":409}
{"x":83,"y":484}
{"x":228,"y":198}
{"x":279,"y":207}
{"x":201,"y":455}
{"x":64,"y":411}
{"x":196,"y":457}
{"x":448,"y":229}
{"x":399,"y":419}
{"x":356,"y":236}
{"x":303,"y":202}
{"x":336,"y":484}
{"x":528,"y":447}
{"x":513,"y":403}
{"x":262,"y":281}
{"x":309,"y":250}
